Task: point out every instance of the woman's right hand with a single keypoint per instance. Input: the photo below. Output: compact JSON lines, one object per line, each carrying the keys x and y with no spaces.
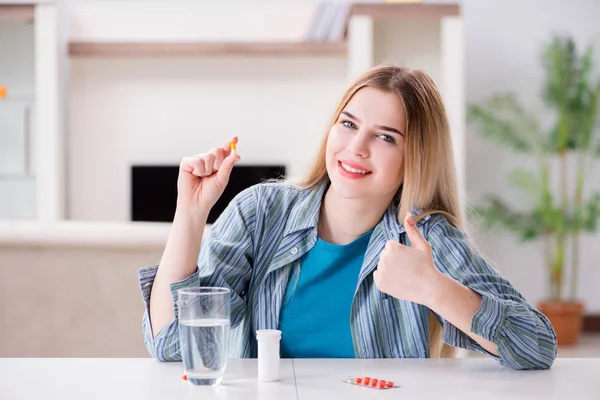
{"x":203,"y":178}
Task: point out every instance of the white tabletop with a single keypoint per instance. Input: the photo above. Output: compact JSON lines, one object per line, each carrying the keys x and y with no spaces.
{"x":445,"y":379}
{"x":464,"y":379}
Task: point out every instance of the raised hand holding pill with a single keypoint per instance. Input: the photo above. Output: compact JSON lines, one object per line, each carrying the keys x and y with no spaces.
{"x":203,"y":177}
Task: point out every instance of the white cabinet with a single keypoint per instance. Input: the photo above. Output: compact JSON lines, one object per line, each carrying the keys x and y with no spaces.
{"x":17,"y":198}
{"x":16,"y":126}
{"x":31,"y":113}
{"x":17,"y":175}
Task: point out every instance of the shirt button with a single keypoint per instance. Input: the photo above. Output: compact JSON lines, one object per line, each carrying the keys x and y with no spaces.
{"x":294,"y":251}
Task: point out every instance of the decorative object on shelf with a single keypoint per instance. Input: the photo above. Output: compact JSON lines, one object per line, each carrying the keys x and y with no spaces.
{"x":329,"y":22}
{"x":571,"y":94}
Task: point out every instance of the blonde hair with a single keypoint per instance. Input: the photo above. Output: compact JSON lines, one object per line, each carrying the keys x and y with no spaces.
{"x":429,"y":182}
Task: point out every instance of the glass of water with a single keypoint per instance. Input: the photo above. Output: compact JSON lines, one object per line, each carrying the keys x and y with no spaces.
{"x":204,"y":319}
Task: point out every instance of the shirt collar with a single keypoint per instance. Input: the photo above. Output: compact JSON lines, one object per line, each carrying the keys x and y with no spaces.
{"x":392,"y":227}
{"x":305,"y":215}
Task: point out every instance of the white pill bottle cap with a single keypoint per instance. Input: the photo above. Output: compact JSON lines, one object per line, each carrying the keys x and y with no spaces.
{"x":268,"y":334}
{"x":268,"y":354}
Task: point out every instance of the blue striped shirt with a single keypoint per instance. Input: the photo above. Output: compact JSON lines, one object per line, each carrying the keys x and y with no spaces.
{"x":259,"y":239}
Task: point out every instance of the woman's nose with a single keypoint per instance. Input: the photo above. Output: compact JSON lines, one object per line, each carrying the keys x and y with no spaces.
{"x":358,"y":146}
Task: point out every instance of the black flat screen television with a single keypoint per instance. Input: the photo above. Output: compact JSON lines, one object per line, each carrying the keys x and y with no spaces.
{"x":154,"y":189}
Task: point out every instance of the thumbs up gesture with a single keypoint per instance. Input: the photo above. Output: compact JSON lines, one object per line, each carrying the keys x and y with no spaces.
{"x":407,"y":273}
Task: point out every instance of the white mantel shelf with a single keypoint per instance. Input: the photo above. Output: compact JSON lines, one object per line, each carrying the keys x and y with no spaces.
{"x":84,"y":234}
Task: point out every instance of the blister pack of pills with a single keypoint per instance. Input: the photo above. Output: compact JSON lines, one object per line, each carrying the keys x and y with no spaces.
{"x":373,"y":383}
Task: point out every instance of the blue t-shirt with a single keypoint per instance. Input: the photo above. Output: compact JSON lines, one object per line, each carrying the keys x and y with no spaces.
{"x":315,"y":315}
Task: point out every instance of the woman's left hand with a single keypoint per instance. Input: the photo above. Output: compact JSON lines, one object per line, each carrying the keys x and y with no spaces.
{"x":408,"y":273}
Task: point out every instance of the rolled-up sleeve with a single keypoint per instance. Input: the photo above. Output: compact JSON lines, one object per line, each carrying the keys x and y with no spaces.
{"x":224,"y":261}
{"x":165,"y":345}
{"x":524,"y":336}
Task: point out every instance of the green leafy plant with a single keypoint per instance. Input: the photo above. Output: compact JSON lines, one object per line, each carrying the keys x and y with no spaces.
{"x":571,"y":96}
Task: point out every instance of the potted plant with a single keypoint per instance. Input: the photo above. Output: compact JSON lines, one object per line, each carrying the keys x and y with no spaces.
{"x":563,"y":152}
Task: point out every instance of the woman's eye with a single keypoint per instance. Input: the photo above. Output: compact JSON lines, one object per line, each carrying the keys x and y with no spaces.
{"x":349,"y":124}
{"x":387,"y":138}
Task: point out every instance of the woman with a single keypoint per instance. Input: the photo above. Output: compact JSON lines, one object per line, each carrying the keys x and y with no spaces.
{"x":355,"y":259}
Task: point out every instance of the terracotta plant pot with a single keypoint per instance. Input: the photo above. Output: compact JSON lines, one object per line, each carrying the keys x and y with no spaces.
{"x":566,"y":318}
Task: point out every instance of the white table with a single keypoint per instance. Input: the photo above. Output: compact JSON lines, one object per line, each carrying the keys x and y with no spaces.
{"x":445,"y":379}
{"x":147,"y":379}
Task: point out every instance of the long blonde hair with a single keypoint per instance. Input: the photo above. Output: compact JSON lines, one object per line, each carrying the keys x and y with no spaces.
{"x":429,"y":182}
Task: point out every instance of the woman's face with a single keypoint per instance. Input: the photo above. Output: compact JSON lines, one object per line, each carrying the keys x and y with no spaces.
{"x":365,"y":147}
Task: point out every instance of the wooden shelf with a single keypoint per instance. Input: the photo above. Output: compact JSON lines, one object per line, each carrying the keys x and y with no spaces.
{"x":401,"y":11}
{"x":194,"y":49}
{"x":16,"y":13}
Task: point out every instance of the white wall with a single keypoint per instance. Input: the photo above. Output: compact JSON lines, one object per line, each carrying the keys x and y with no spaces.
{"x":191,"y":21}
{"x":503,"y":43}
{"x":394,"y":46}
